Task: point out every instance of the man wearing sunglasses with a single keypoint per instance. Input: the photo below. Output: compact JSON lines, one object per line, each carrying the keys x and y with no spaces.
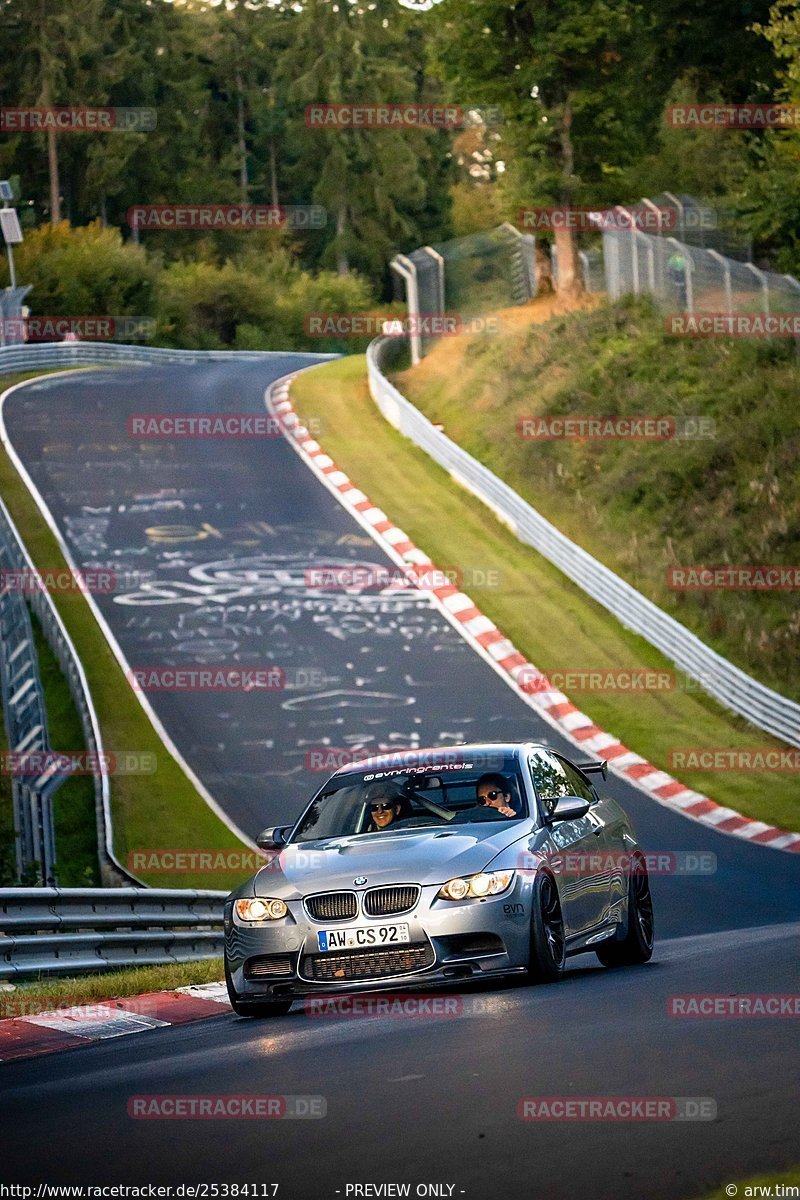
{"x":492,"y":792}
{"x":383,"y":807}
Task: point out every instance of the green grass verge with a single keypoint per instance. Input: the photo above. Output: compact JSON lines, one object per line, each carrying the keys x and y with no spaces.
{"x":642,"y":507}
{"x":73,"y":803}
{"x":549,"y":619}
{"x":106,"y":985}
{"x":750,"y":1188}
{"x":158,"y":811}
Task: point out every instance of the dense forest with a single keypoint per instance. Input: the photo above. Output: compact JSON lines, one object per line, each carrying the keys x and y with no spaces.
{"x":576,"y":94}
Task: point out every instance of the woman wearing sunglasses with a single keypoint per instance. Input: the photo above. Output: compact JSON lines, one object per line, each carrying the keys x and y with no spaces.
{"x":492,"y":791}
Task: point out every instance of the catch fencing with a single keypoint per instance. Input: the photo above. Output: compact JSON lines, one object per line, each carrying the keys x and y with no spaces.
{"x":730,"y":685}
{"x":691,"y":278}
{"x":63,"y":931}
{"x":466,"y":277}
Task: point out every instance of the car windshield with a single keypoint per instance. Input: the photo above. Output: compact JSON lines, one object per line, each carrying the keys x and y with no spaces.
{"x":377,"y":803}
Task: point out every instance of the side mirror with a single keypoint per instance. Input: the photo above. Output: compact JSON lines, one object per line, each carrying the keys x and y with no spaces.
{"x":272,"y":838}
{"x":568,"y":808}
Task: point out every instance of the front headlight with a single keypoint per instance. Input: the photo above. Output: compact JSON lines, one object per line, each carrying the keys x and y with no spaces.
{"x":473,"y":887}
{"x":260,"y":909}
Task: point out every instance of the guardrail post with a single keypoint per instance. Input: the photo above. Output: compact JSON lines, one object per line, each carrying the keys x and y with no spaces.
{"x":681,"y":210}
{"x":761,"y":277}
{"x":404,"y":267}
{"x":726,"y":275}
{"x":440,"y":277}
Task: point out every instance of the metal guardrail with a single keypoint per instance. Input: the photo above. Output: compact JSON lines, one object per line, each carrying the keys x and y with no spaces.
{"x":66,"y":930}
{"x":86,"y":354}
{"x":33,"y":810}
{"x":25,"y":718}
{"x":728,"y":684}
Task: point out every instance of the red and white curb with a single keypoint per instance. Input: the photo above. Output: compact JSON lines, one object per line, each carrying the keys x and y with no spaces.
{"x":481,"y":632}
{"x":66,"y":1028}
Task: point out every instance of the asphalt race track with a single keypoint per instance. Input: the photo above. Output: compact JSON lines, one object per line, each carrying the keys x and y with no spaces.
{"x":232,"y":526}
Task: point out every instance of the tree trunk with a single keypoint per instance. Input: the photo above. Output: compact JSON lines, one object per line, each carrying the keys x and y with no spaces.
{"x":52,"y":160}
{"x":568,"y":281}
{"x":273,"y":175}
{"x":342,"y":265}
{"x":244,"y":182}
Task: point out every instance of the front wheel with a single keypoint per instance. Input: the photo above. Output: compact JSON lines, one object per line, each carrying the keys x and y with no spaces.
{"x":637,"y":945}
{"x":257,"y":1008}
{"x":548,"y":953}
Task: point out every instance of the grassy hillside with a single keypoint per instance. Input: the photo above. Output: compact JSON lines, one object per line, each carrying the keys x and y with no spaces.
{"x":644,"y":506}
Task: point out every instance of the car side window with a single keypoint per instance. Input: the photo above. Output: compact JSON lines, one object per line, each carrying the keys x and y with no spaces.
{"x":577,"y":784}
{"x":549,"y":778}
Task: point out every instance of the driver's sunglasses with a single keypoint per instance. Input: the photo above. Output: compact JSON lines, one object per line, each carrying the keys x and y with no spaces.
{"x":380,"y":807}
{"x":490,"y":796}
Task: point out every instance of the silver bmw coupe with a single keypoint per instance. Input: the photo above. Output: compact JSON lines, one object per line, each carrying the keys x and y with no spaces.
{"x":426,"y":867}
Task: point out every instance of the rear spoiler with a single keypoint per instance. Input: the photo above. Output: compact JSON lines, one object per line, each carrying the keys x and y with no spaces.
{"x":595,"y":767}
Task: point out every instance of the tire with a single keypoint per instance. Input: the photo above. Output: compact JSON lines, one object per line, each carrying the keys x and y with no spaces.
{"x":548,"y":956}
{"x":637,"y":945}
{"x":255,"y":1008}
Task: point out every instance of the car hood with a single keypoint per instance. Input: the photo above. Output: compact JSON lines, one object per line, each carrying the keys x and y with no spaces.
{"x":408,"y":856}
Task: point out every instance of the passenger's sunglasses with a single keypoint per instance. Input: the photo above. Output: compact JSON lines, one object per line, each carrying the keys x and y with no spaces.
{"x":380,"y":807}
{"x":490,"y":796}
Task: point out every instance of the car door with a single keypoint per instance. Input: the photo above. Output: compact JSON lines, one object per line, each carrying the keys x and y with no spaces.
{"x":573,"y":848}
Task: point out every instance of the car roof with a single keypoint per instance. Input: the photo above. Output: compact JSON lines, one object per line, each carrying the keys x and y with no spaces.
{"x":433,"y":756}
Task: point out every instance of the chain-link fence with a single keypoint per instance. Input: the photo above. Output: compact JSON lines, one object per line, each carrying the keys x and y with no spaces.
{"x":690,"y":278}
{"x":464,"y":278}
{"x":697,"y":262}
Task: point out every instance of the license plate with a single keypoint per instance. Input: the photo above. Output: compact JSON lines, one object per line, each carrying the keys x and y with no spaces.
{"x":355,"y":937}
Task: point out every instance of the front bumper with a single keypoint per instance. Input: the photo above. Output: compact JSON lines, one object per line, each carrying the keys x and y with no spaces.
{"x":447,"y":942}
